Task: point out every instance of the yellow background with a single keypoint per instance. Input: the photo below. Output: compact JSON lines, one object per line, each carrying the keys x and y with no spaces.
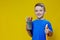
{"x":14,"y":12}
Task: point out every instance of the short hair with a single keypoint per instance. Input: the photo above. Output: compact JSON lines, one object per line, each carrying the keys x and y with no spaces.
{"x":41,"y":4}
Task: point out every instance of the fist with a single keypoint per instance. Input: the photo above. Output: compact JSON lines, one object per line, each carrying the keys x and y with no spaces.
{"x":28,"y":19}
{"x":29,"y":23}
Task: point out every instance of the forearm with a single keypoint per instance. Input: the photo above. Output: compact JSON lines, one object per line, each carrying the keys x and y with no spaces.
{"x":29,"y":32}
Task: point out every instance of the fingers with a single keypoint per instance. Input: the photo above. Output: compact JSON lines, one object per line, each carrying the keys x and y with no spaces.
{"x":29,"y":19}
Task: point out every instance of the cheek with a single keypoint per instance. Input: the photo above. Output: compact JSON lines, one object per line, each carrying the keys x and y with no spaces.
{"x":42,"y":12}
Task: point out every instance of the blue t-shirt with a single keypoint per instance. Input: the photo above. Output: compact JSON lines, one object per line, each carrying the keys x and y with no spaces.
{"x":38,"y":29}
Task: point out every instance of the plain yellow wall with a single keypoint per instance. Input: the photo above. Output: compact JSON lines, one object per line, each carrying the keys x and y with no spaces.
{"x":14,"y":12}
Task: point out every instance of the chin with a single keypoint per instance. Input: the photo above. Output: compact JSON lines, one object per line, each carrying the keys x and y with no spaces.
{"x":38,"y":17}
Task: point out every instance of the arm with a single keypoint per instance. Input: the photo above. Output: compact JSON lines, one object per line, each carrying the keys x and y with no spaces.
{"x":29,"y":25}
{"x":48,"y":31}
{"x":29,"y":31}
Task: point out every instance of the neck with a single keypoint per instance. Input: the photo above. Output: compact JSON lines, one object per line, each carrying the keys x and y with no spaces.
{"x":41,"y":18}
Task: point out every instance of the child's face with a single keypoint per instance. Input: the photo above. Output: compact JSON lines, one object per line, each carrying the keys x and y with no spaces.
{"x":39,"y":11}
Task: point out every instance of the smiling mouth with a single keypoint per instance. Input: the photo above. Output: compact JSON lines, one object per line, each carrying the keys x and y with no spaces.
{"x":38,"y":14}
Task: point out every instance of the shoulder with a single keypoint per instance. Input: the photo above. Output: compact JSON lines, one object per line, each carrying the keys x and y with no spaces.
{"x":34,"y":21}
{"x":48,"y":22}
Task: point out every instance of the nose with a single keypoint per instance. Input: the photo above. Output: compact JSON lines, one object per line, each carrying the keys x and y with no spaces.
{"x":38,"y":12}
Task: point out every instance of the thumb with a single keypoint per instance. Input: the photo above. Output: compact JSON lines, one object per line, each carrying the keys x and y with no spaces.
{"x":46,"y":27}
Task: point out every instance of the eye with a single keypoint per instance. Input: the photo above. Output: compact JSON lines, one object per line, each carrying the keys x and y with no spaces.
{"x":36,"y":10}
{"x":40,"y":10}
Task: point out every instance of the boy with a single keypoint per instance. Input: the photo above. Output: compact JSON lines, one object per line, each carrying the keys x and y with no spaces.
{"x":39,"y":28}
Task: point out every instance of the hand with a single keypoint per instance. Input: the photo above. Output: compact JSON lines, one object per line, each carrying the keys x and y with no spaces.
{"x":47,"y":29}
{"x":29,"y":23}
